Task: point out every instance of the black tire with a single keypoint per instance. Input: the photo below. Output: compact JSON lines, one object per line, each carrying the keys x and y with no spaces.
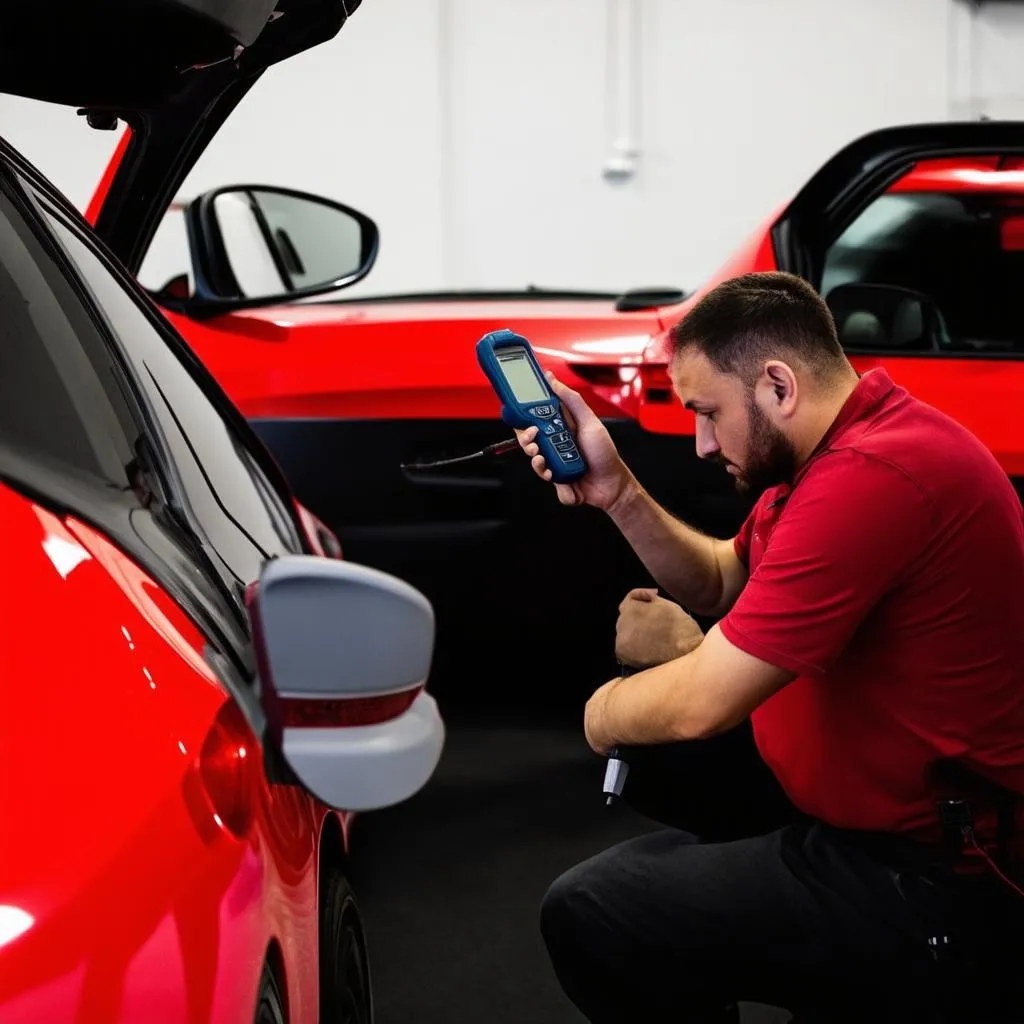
{"x":269,"y":1004}
{"x":345,"y":993}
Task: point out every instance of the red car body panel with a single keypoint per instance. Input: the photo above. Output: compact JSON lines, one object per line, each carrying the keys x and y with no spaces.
{"x":205,"y":904}
{"x":403,"y":360}
{"x":99,"y":197}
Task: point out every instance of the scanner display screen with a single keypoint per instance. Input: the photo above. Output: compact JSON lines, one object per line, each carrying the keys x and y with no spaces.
{"x":526,"y":386}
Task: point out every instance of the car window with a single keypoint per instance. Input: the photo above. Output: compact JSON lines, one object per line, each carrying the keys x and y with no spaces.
{"x":236,"y":506}
{"x":59,"y":395}
{"x":965,"y":251}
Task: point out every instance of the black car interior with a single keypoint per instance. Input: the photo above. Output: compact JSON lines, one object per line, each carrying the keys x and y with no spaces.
{"x":962,"y":254}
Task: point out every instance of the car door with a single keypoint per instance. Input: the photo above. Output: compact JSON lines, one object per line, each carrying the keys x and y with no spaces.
{"x":125,"y":657}
{"x":853,"y":223}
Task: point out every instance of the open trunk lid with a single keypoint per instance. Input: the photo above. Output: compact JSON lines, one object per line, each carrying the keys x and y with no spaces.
{"x":171,"y":69}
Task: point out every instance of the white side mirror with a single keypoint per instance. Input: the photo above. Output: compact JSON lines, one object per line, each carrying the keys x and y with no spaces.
{"x":345,"y":652}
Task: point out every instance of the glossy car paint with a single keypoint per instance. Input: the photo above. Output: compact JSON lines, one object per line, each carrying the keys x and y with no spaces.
{"x":124,"y":893}
{"x":406,"y":361}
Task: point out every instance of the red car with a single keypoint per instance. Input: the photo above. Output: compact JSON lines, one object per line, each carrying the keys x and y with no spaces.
{"x":198,"y":692}
{"x":915,"y":235}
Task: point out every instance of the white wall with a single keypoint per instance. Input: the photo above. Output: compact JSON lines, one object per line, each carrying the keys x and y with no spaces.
{"x":987,"y":77}
{"x":476,"y":131}
{"x":741,"y":99}
{"x":59,"y":143}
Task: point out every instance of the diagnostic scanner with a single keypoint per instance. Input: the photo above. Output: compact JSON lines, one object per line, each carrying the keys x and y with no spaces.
{"x":528,"y":401}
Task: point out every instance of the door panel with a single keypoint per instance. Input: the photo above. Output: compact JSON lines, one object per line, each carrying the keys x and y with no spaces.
{"x":141,"y":900}
{"x":985,"y":395}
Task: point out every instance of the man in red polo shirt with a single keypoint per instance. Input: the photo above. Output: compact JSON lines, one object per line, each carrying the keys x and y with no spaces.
{"x":870,"y":614}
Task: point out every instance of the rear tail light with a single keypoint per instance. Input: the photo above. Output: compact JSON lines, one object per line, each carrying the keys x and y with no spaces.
{"x":656,"y":384}
{"x":615,"y":383}
{"x":229,"y":766}
{"x":603,"y":375}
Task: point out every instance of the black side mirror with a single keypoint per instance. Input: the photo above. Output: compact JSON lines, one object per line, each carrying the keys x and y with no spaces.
{"x":885,"y":318}
{"x":256,"y":245}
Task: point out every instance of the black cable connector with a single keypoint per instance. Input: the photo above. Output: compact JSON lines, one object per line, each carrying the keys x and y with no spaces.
{"x":501,"y":448}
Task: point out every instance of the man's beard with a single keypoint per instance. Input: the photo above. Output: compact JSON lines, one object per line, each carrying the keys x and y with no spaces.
{"x":770,"y":460}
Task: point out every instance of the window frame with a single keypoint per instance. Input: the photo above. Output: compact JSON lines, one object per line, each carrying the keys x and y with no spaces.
{"x":283,"y":511}
{"x":833,"y":236}
{"x":12,"y":189}
{"x":149,"y":529}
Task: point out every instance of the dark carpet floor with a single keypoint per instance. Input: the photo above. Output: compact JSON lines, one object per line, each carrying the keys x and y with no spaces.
{"x":451,"y":881}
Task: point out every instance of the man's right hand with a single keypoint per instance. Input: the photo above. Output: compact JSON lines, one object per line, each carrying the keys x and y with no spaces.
{"x":607,"y":479}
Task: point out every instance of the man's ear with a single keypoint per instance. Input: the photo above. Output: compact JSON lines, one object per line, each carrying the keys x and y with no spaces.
{"x":782,"y":381}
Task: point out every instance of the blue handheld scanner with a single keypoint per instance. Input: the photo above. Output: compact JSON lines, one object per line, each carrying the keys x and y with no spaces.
{"x":527,"y":401}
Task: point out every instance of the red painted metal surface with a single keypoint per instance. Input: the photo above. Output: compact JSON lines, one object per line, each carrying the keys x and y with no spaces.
{"x":404,"y":360}
{"x":100,"y":195}
{"x":147,"y":863}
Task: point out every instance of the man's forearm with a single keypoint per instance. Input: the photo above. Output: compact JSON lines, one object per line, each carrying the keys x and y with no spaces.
{"x":706,"y":692}
{"x":679,"y":557}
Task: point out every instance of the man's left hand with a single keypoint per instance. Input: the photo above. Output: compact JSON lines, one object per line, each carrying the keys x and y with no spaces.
{"x":652,"y":630}
{"x":703,"y":693}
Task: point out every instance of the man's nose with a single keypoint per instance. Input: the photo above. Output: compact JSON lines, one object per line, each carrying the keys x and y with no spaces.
{"x":707,"y":443}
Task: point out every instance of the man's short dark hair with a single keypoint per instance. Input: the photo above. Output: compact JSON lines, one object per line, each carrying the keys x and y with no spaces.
{"x":743,"y":322}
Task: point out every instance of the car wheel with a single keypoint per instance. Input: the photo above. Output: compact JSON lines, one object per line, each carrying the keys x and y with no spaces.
{"x":345,"y":994}
{"x":269,"y":1005}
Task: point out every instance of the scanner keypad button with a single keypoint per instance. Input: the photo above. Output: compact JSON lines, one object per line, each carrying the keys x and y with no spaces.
{"x":572,"y":456}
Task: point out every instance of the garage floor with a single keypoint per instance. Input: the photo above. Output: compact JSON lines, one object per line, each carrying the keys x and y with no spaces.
{"x":451,"y":881}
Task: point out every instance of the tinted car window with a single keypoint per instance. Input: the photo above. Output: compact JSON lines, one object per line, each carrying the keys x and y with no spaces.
{"x":59,"y":397}
{"x":965,"y":251}
{"x":237,"y":508}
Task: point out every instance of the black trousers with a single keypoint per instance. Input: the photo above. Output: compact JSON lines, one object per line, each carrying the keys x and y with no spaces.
{"x":773,"y":908}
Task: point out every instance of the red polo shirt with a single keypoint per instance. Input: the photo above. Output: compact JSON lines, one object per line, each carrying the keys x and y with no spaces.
{"x":890,"y":578}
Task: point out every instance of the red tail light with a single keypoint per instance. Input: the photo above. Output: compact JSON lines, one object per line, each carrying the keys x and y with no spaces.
{"x":336,"y":713}
{"x":604,"y":375}
{"x":615,"y":383}
{"x":656,"y":383}
{"x":229,"y":769}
